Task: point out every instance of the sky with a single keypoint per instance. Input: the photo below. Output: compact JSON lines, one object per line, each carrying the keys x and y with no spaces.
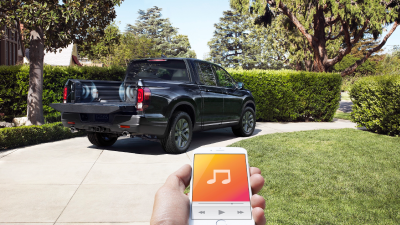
{"x":195,"y":18}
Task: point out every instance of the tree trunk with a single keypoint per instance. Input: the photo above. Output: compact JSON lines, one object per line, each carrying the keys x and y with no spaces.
{"x":298,"y":65}
{"x":36,"y":55}
{"x":308,"y":64}
{"x":319,"y":44}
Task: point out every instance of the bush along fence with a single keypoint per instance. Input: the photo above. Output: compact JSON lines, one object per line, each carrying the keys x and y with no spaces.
{"x":377,"y":103}
{"x":14,"y":83}
{"x":29,"y":135}
{"x":283,"y":95}
{"x":288,"y":95}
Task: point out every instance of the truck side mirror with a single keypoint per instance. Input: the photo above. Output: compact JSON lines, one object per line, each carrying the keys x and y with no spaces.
{"x":240,"y":85}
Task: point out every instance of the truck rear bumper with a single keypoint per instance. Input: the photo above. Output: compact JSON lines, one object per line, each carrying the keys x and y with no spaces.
{"x":104,"y":108}
{"x":138,"y":124}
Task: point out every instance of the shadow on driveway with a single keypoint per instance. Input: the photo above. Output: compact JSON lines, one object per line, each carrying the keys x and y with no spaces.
{"x":139,"y":146}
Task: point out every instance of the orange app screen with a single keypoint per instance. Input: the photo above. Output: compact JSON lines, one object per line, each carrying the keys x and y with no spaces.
{"x":220,"y":177}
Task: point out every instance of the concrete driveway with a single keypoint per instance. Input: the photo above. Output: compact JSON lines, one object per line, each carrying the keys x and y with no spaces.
{"x":71,"y":181}
{"x":345,"y":106}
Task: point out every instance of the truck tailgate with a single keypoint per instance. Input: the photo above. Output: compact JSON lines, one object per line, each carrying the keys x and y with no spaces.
{"x":100,"y":108}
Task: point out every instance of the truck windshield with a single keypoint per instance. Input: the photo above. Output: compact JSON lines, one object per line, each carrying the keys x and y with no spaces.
{"x":157,"y":69}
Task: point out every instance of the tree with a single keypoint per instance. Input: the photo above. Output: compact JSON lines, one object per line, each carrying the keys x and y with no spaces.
{"x":238,"y":42}
{"x":115,"y":48}
{"x":160,"y":30}
{"x":228,"y":45}
{"x":322,"y":21}
{"x":370,"y":66}
{"x":390,"y":63}
{"x":134,"y":47}
{"x":104,"y":50}
{"x":54,"y":25}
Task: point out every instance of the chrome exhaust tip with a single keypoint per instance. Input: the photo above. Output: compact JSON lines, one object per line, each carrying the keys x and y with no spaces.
{"x":74,"y":130}
{"x":126,"y":134}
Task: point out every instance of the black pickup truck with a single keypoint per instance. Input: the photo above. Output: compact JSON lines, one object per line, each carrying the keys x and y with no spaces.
{"x":162,"y":99}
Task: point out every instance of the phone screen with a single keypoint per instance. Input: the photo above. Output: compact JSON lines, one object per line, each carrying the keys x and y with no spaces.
{"x":220,"y":187}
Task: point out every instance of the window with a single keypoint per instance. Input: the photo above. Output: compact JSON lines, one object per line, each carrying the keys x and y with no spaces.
{"x":206,"y":74}
{"x":158,"y":69}
{"x":224,"y":79}
{"x":9,"y":54}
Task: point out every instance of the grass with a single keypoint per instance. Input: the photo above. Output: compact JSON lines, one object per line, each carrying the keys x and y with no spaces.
{"x":342,"y":115}
{"x":343,"y":176}
{"x":345,"y":96}
{"x":187,"y":189}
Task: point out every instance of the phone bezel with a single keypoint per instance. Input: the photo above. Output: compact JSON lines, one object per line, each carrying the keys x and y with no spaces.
{"x":220,"y":150}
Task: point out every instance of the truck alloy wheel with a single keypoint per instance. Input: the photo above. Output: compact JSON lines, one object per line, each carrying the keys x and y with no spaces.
{"x":246,"y":124}
{"x":179,"y":136}
{"x":181,"y":133}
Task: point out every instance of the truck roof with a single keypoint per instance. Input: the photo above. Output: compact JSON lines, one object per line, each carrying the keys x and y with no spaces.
{"x":192,"y":59}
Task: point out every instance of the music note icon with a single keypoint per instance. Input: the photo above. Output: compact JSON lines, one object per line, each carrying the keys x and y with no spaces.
{"x":226,"y":181}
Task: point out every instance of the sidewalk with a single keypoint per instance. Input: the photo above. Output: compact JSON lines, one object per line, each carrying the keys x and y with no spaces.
{"x":71,"y":181}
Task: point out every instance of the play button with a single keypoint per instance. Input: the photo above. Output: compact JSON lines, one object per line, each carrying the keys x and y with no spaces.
{"x":220,"y":212}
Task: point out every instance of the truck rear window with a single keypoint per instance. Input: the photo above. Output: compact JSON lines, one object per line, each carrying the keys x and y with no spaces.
{"x":157,"y":69}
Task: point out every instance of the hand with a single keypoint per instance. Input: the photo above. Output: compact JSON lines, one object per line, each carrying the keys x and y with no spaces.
{"x":172,"y":206}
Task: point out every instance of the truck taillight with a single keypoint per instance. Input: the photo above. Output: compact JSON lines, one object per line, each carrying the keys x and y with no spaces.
{"x":143,"y":98}
{"x":65,"y":93}
{"x":147,"y":94}
{"x":140,"y":95}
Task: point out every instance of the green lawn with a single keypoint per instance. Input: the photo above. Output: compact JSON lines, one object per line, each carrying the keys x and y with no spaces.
{"x":342,"y":115}
{"x":343,"y":176}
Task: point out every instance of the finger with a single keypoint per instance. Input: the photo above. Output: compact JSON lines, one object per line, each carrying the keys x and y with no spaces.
{"x":181,"y":178}
{"x":257,"y":201}
{"x":256,"y":182}
{"x":254,"y":170}
{"x":258,"y":216}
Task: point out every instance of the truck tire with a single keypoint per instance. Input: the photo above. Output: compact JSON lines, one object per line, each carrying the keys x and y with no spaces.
{"x":179,"y":135}
{"x":247,"y":123}
{"x":101,"y":140}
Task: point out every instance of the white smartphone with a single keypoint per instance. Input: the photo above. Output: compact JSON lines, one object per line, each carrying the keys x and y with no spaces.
{"x":220,"y":188}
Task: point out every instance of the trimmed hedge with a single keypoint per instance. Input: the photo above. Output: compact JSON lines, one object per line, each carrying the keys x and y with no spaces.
{"x":283,"y":95}
{"x":14,"y":83}
{"x":377,"y":103}
{"x":287,"y":95}
{"x":29,"y":135}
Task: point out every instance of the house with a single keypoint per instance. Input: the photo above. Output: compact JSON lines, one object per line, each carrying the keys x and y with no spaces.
{"x":12,"y":50}
{"x":67,"y":57}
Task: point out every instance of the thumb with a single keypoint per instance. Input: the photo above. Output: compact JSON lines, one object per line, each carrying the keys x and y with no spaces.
{"x":180,"y":179}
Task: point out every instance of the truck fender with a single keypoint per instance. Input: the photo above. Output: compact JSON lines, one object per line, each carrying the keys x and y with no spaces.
{"x":246,"y":102}
{"x":179,"y":103}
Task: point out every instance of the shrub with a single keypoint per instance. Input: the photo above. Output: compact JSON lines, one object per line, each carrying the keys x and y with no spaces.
{"x":287,"y":95}
{"x":377,"y":103}
{"x":29,"y":135}
{"x":52,"y":117}
{"x":14,"y":83}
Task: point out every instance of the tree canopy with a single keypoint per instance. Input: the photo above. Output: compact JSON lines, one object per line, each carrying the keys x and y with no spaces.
{"x":238,"y":42}
{"x":116,"y":48}
{"x":323,"y":21}
{"x":150,"y":24}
